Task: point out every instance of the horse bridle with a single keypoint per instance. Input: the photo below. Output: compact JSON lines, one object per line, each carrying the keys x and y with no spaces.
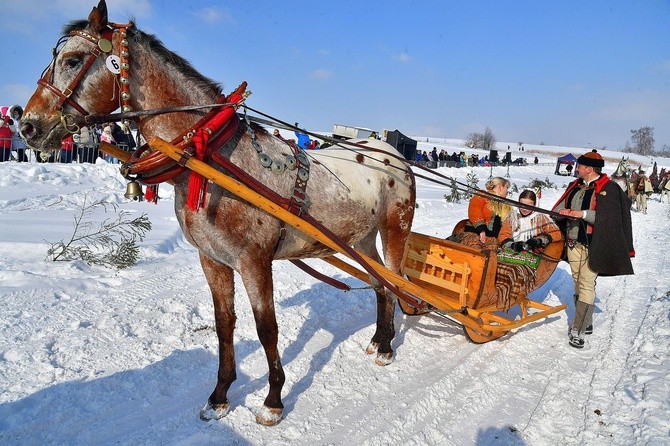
{"x":103,"y":45}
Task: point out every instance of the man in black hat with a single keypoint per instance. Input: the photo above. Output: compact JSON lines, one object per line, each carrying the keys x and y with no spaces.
{"x":598,"y":234}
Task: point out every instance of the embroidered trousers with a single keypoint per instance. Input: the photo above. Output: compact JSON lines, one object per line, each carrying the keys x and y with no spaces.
{"x":583,"y":276}
{"x":585,"y":286}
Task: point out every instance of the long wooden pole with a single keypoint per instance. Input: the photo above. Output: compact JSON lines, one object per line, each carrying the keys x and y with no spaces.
{"x":297,"y":222}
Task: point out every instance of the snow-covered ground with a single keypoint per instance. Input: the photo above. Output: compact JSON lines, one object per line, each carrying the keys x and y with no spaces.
{"x":96,"y":356}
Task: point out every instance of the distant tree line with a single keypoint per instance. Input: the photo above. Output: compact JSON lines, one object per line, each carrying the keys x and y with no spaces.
{"x":643,"y":142}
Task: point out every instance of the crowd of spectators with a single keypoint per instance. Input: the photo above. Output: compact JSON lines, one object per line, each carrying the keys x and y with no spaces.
{"x":444,"y":159}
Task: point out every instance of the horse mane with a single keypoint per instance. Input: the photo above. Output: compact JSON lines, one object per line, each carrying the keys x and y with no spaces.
{"x":161,"y":52}
{"x":75,"y":25}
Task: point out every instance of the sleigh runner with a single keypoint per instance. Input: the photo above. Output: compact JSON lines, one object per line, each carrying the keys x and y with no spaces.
{"x":438,"y":275}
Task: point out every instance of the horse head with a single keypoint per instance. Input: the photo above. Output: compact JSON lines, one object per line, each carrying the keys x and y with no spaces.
{"x":99,"y":67}
{"x":622,"y":169}
{"x":74,"y":84}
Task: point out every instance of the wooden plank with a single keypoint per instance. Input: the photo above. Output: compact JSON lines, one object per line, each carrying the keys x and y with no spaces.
{"x":434,"y":298}
{"x":428,"y":278}
{"x":433,"y":259}
{"x":480,"y":274}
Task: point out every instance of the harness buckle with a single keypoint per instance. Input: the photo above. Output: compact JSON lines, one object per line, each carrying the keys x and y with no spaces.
{"x":185,"y":156}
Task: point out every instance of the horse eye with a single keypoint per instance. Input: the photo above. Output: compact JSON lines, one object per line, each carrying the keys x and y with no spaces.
{"x":72,"y":62}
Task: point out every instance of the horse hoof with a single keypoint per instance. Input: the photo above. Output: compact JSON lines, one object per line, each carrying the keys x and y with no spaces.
{"x":384,"y":359}
{"x":372,"y":348}
{"x":216,"y":412}
{"x":269,"y":416}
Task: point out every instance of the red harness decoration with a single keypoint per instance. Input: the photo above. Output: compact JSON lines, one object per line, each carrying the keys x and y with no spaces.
{"x":197,"y":185}
{"x":212,"y":131}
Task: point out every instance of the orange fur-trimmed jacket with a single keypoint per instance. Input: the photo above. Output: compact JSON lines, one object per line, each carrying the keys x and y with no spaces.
{"x":482,"y":219}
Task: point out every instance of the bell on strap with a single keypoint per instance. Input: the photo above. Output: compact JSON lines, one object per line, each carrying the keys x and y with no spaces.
{"x":134,"y":191}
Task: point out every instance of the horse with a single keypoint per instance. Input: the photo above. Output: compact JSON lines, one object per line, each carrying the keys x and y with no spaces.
{"x":99,"y":66}
{"x":622,"y":176}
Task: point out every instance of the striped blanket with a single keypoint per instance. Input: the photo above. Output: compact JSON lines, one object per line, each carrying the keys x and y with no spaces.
{"x":513,"y":282}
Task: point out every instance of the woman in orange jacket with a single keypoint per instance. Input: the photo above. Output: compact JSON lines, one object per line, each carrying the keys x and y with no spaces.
{"x":485,"y":229}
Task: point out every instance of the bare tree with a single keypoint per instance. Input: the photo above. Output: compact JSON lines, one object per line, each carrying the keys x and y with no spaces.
{"x":643,"y":140}
{"x":487,"y":140}
{"x":474,"y":140}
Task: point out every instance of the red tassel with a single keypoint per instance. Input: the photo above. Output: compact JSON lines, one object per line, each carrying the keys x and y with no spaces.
{"x":151,"y":194}
{"x":197,"y":184}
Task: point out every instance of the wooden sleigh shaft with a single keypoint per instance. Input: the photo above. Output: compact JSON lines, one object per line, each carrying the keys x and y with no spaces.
{"x":276,"y":210}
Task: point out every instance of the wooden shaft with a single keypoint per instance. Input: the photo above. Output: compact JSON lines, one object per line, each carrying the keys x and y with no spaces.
{"x":272,"y":208}
{"x":117,"y":153}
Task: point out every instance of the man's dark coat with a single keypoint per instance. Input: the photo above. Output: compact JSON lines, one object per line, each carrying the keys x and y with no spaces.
{"x":611,"y":245}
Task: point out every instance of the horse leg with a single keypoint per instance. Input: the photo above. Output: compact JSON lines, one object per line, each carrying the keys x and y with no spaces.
{"x":385,"y":331}
{"x":220,"y":280}
{"x":394,"y":230}
{"x":257,"y":278}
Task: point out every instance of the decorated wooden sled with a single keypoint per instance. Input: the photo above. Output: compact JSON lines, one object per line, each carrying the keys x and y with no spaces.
{"x":438,"y":275}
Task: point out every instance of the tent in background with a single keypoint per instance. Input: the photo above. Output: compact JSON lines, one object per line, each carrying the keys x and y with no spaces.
{"x":404,"y":144}
{"x":565,"y":160}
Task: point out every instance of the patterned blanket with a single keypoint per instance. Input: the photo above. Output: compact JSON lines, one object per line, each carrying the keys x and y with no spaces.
{"x":513,"y":282}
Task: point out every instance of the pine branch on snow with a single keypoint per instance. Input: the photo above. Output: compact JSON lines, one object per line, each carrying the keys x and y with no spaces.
{"x":111,"y":243}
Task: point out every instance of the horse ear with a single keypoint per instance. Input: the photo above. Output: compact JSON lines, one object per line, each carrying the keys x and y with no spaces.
{"x":97,"y":19}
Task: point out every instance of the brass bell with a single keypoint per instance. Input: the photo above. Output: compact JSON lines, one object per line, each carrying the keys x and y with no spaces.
{"x":134,"y":191}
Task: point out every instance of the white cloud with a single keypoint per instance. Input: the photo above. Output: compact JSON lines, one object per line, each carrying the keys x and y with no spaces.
{"x":403,"y":57}
{"x":431,"y":130}
{"x":75,"y":9}
{"x":31,"y":17}
{"x":575,"y":88}
{"x":16,"y":93}
{"x":321,"y":73}
{"x":664,"y":67}
{"x":213,"y":15}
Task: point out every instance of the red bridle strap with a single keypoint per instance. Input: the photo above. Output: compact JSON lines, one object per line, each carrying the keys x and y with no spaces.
{"x":64,"y":96}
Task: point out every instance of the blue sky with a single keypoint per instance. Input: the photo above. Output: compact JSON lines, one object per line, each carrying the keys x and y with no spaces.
{"x":580,"y":73}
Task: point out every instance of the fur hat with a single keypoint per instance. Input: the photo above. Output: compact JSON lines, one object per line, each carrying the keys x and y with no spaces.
{"x":591,"y":159}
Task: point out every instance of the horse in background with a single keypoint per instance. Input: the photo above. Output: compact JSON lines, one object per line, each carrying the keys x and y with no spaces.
{"x":359,"y":194}
{"x":624,"y":177}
